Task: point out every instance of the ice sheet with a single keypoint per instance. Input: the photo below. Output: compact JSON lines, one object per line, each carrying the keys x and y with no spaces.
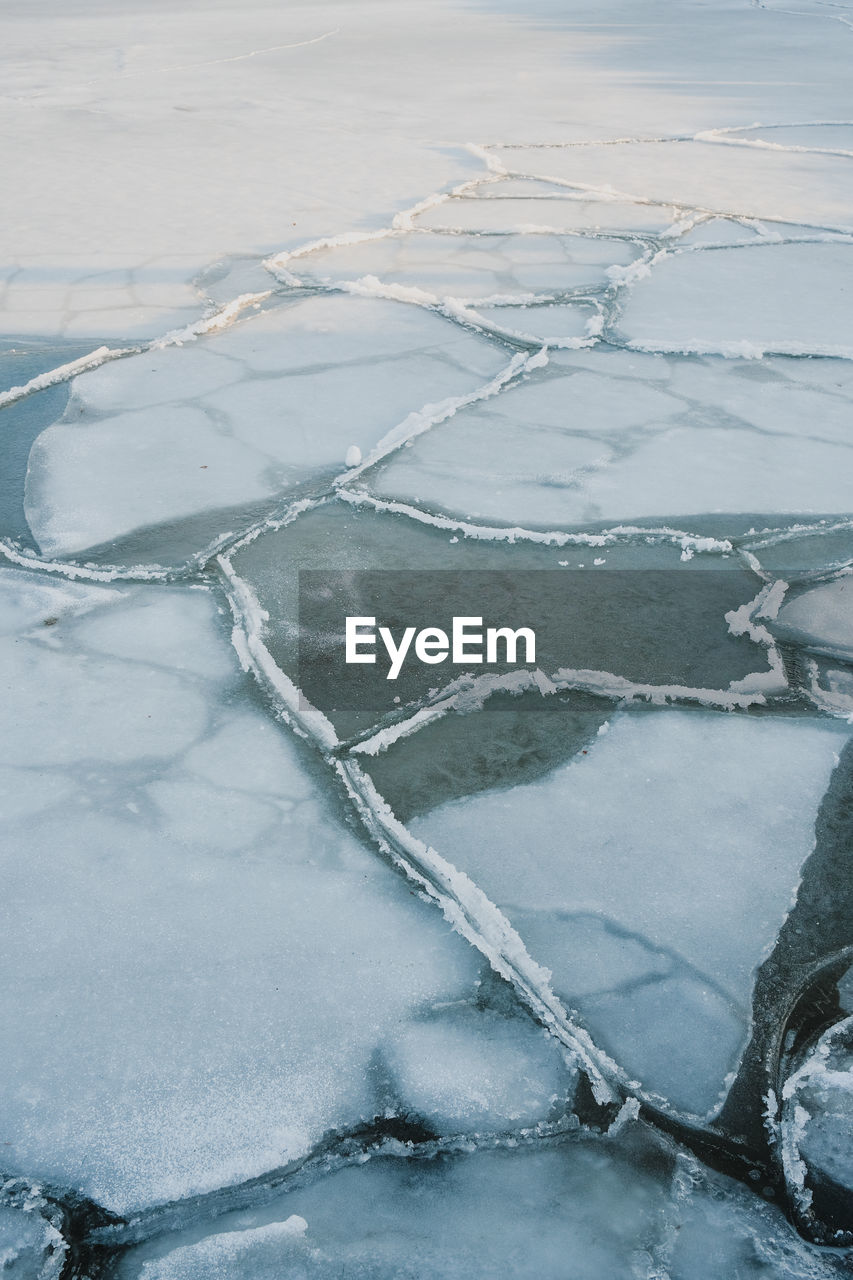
{"x":613,"y":435}
{"x":468,"y":267}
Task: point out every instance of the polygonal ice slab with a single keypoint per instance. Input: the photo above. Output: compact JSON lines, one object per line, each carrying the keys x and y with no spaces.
{"x":787,"y":186}
{"x":242,"y":416}
{"x":559,"y":212}
{"x":467,"y":267}
{"x":112,"y":302}
{"x":785,"y":298}
{"x":207,"y":969}
{"x":821,"y":619}
{"x":685,"y":833}
{"x":615,"y":435}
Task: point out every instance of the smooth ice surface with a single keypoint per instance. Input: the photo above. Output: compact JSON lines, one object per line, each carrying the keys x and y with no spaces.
{"x":249,"y":414}
{"x":206,"y":963}
{"x":684,"y":830}
{"x":469,"y":267}
{"x":821,"y":619}
{"x":616,"y":435}
{"x":784,"y":298}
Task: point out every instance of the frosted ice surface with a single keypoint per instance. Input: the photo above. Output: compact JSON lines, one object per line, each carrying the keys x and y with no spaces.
{"x":471,"y":266}
{"x":206,"y":963}
{"x":580,"y":1210}
{"x":474,"y":1071}
{"x":818,"y":1110}
{"x":308,"y":379}
{"x":30,"y":1248}
{"x":821,"y":618}
{"x":658,"y":831}
{"x":784,"y":298}
{"x":714,"y":177}
{"x":599,"y":437}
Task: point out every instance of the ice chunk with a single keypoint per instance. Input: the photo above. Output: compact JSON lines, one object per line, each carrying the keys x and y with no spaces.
{"x":31,"y":1248}
{"x":470,"y":266}
{"x":657,"y":829}
{"x":474,"y":1071}
{"x":817,"y":1122}
{"x":820,"y":618}
{"x":787,"y":298}
{"x":343,"y":367}
{"x":207,"y":964}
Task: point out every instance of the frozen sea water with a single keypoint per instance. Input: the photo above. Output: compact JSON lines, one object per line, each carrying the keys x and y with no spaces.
{"x":295,"y":990}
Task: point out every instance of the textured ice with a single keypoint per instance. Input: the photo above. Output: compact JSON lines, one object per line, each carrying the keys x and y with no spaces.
{"x":818,"y":1115}
{"x":656,"y":830}
{"x":821,"y":619}
{"x":474,"y":1071}
{"x":788,"y":298}
{"x":30,"y":1247}
{"x":614,"y":435}
{"x":251,"y":414}
{"x":469,"y":267}
{"x":522,"y":1213}
{"x":622,"y":1208}
{"x":790,"y":187}
{"x":572,"y":326}
{"x":234,"y":960}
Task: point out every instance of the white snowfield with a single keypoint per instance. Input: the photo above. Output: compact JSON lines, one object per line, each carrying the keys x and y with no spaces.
{"x":507,"y":275}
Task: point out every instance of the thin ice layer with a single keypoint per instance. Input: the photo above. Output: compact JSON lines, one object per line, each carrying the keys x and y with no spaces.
{"x":821,"y":619}
{"x":685,"y":831}
{"x":207,"y":965}
{"x":785,"y":298}
{"x":615,"y":435}
{"x":242,"y":416}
